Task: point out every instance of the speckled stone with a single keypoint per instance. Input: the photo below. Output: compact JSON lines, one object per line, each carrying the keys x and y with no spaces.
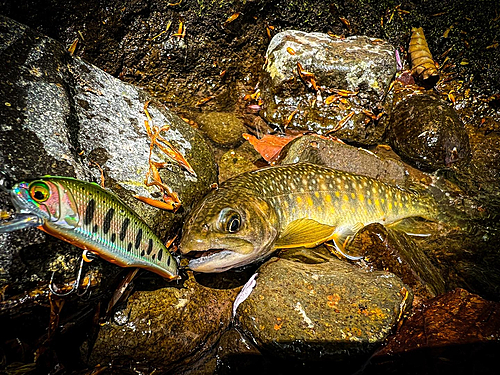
{"x":235,"y":162}
{"x":358,"y":64}
{"x":165,"y":329}
{"x":322,"y":311}
{"x":337,"y":155}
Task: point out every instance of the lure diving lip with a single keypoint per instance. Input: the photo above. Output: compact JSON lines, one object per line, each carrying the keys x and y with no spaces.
{"x":89,"y":217}
{"x":20,"y":221}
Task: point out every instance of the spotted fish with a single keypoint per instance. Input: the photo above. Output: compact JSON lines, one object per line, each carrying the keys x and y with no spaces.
{"x":255,"y":213}
{"x":87,"y":216}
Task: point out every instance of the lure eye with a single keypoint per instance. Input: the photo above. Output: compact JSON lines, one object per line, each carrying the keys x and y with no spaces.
{"x":39,"y":191}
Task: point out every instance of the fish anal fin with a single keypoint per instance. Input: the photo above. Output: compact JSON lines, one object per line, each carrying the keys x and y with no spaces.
{"x":411,"y":226}
{"x":304,"y":232}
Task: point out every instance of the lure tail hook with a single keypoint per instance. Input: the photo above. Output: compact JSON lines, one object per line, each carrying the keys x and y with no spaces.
{"x":76,"y":285}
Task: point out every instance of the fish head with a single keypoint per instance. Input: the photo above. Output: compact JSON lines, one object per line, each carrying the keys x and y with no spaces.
{"x":48,"y":200}
{"x":228,"y":229}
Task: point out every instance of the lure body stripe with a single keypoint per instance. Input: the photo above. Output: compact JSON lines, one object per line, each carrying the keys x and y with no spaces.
{"x":94,"y":219}
{"x":123,"y":230}
{"x":89,"y":212}
{"x":107,"y":220}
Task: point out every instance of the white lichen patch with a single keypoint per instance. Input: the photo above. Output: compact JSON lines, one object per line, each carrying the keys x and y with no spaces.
{"x":300,"y":310}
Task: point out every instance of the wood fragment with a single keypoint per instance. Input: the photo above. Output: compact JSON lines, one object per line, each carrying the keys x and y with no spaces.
{"x":423,"y":66}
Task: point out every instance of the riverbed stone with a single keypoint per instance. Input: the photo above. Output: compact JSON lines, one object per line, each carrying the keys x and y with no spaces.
{"x":457,"y":333}
{"x":396,"y":252}
{"x":223,"y":128}
{"x":237,"y":161}
{"x":166,"y":329}
{"x":427,"y":133}
{"x":361,"y":65}
{"x":323,"y":310}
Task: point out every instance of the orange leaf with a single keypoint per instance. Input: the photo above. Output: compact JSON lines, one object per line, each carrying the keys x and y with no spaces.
{"x":158,"y":204}
{"x":269,"y":146}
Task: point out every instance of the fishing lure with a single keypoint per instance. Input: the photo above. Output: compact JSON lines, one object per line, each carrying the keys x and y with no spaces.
{"x":87,"y":216}
{"x":423,"y":66}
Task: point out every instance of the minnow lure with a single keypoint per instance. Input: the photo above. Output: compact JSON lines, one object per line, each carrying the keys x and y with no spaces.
{"x":422,"y":64}
{"x":87,"y":216}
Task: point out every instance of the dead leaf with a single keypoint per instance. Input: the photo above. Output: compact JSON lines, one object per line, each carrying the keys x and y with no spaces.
{"x":269,"y":146}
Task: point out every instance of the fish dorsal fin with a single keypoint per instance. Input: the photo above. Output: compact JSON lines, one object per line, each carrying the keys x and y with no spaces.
{"x":304,"y":232}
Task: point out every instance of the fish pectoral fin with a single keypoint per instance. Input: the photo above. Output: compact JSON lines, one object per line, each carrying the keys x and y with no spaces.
{"x":304,"y":232}
{"x":342,"y":237}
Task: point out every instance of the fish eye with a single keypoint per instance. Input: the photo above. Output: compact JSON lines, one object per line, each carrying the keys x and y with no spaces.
{"x":233,"y":223}
{"x":39,"y":191}
{"x":230,"y":220}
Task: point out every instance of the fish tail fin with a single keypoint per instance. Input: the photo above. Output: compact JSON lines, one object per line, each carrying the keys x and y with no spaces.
{"x":455,"y":208}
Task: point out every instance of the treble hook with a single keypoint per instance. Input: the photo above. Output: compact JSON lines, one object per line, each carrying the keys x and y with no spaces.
{"x":86,"y":257}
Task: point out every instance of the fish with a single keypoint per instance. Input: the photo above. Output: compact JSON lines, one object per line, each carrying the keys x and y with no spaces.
{"x":298,"y":205}
{"x":92,"y":218}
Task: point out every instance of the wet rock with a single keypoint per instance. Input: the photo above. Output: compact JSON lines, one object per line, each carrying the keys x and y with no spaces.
{"x":457,"y":333}
{"x":358,"y":64}
{"x":61,"y":116}
{"x":427,"y":133}
{"x":223,"y":128}
{"x":395,"y":252}
{"x":334,"y":154}
{"x":236,"y":353}
{"x":480,"y":177}
{"x":167,"y":329}
{"x":329,"y":310}
{"x":237,"y":161}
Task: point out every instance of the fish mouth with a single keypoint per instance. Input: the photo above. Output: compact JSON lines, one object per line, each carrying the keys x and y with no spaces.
{"x":204,"y":253}
{"x":217,"y":260}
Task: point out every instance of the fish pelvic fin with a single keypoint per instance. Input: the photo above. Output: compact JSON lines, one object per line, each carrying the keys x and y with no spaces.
{"x":341,"y":239}
{"x":304,"y":232}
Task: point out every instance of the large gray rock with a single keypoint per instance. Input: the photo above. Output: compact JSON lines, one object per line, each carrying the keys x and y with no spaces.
{"x":59,"y":116}
{"x":357,"y":64}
